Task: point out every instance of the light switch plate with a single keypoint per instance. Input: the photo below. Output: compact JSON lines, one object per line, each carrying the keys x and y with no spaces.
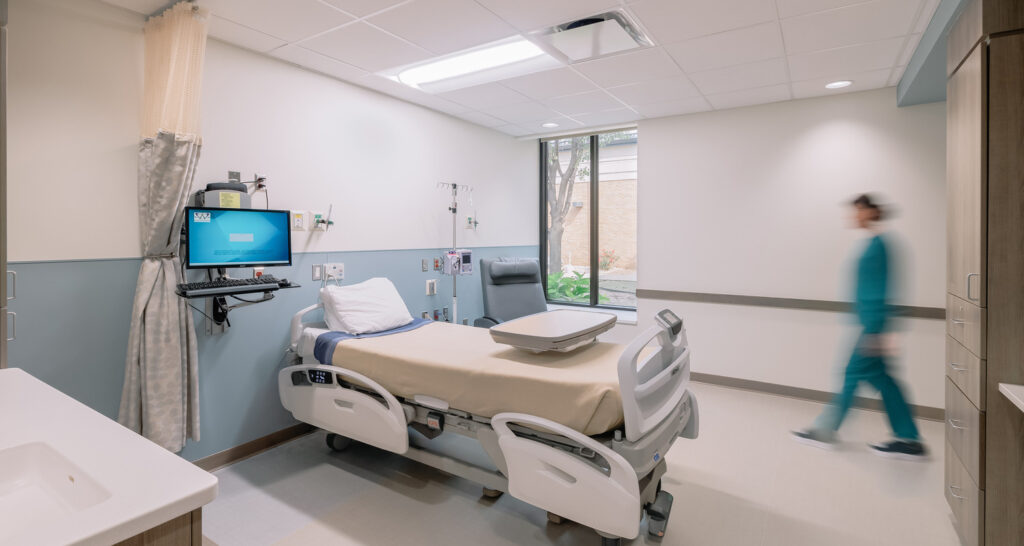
{"x":317,"y":272}
{"x":299,"y":221}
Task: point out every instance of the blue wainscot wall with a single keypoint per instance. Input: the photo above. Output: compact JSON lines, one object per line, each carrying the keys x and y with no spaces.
{"x":73,"y":317}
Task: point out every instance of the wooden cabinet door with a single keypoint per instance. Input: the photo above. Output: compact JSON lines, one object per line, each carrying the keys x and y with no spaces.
{"x":966,"y":184}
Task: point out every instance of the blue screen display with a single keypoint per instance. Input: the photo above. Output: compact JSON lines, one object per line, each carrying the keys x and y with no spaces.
{"x":237,"y":237}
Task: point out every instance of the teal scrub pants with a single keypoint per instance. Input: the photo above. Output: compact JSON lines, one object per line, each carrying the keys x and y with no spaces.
{"x":872,"y":370}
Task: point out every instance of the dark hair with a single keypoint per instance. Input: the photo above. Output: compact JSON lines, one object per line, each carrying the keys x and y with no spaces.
{"x":865,"y":200}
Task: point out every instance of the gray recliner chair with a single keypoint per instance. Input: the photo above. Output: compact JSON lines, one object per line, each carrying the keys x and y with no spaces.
{"x":512,"y":289}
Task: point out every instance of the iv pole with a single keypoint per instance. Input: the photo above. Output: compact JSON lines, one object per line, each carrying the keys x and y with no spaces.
{"x":454,"y":209}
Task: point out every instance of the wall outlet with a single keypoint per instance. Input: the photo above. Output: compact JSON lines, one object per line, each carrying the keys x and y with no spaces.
{"x":319,"y":221}
{"x":299,"y":221}
{"x":426,"y":315}
{"x":335,"y":270}
{"x":318,"y":272}
{"x":431,"y":287}
{"x":426,"y":265}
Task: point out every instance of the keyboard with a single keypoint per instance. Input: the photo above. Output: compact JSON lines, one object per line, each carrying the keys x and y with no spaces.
{"x":219,"y":287}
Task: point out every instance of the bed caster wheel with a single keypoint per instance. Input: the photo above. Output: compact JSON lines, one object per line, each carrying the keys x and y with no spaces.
{"x":605,"y":541}
{"x":337,"y":442}
{"x":493,"y":493}
{"x":555,"y":518}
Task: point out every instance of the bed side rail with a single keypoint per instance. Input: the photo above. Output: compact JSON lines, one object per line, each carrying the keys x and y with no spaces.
{"x":654,"y":383}
{"x":313,"y":395}
{"x":560,"y":482}
{"x":297,"y":324}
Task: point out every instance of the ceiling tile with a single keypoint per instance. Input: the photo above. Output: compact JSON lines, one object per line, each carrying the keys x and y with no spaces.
{"x":591,"y":101}
{"x":608,"y":117}
{"x":927,"y":12}
{"x":746,"y":45}
{"x":859,"y":23}
{"x":480,"y":118}
{"x":366,"y":47}
{"x":748,"y":97}
{"x":145,"y":7}
{"x":909,"y":49}
{"x":792,"y":8}
{"x":482,"y":97}
{"x":646,"y":64}
{"x":523,"y":112}
{"x":744,"y":76}
{"x":289,"y":21}
{"x":362,"y":8}
{"x":529,"y":15}
{"x":315,"y":61}
{"x":677,"y":20}
{"x":674,"y":107}
{"x":550,"y":83}
{"x":514,"y":130}
{"x":653,"y":91}
{"x":845,"y":60}
{"x":234,"y":33}
{"x":863,"y":81}
{"x":897,"y":75}
{"x":443,"y":26}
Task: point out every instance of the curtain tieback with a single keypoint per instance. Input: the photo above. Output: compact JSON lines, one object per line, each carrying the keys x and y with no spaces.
{"x":159,"y":256}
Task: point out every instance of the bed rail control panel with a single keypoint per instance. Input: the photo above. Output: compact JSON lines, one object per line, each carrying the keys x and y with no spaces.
{"x":671,"y":321}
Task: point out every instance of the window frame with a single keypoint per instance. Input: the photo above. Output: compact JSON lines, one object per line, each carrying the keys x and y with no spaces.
{"x":595,"y":257}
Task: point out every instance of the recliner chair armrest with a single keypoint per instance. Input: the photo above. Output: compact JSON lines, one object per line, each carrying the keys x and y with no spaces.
{"x":486,"y":322}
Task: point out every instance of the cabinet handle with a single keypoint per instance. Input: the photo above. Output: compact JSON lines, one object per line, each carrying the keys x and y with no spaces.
{"x":955,"y":496}
{"x":953,"y":423}
{"x":957,"y":368}
{"x":958,"y":322}
{"x":14,"y":285}
{"x":969,"y":275}
{"x":14,"y":325}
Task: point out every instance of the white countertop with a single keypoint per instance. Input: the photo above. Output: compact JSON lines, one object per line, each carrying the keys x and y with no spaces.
{"x":1015,"y":393}
{"x":147,"y":484}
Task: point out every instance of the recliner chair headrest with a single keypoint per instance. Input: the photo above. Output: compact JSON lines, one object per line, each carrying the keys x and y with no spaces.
{"x":515,"y":272}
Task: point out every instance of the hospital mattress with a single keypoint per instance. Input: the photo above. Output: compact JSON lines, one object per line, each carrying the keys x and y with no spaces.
{"x":463,"y":366}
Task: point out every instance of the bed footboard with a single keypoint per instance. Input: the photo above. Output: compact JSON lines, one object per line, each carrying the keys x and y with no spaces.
{"x":562,"y":483}
{"x":314,"y":395}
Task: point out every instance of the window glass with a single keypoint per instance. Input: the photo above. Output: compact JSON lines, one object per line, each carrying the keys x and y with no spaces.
{"x":617,"y":182}
{"x":567,"y":191}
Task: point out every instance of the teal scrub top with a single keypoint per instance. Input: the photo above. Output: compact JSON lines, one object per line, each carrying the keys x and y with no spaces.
{"x":871,"y":292}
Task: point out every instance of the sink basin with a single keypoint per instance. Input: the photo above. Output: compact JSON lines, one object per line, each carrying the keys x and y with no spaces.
{"x":38,"y":485}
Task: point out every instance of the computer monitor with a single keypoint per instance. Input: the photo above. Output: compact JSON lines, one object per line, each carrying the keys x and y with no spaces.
{"x":236,"y":237}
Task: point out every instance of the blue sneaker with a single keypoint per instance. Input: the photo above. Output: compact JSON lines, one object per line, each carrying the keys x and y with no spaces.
{"x":908,"y":450}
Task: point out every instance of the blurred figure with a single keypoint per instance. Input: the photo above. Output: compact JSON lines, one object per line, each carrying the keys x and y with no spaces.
{"x":868,"y":362}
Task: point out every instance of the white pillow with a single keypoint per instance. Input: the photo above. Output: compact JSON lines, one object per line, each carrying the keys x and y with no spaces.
{"x":367,"y":307}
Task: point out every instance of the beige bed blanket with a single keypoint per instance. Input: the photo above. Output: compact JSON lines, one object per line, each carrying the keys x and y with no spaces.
{"x":463,"y":366}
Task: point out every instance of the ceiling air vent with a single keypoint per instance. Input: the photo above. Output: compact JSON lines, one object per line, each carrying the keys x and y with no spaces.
{"x":595,"y":36}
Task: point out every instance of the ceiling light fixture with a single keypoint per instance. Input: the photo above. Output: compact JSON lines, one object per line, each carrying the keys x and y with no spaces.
{"x":549,"y":125}
{"x":838,"y":84}
{"x":516,"y":54}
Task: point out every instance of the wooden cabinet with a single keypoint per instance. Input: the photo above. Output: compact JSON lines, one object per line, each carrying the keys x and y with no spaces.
{"x":985,"y":272}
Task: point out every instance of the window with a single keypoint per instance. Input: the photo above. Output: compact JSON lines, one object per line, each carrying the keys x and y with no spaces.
{"x":588,"y":217}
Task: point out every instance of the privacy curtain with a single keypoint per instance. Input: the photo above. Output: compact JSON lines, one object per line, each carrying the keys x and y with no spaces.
{"x":160,"y":398}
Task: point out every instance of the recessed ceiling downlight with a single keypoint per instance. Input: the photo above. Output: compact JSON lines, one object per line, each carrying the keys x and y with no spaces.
{"x":838,"y":84}
{"x":549,"y":125}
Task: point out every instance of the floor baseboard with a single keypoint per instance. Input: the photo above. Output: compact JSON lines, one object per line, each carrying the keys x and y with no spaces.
{"x":921,"y":412}
{"x":248,"y":449}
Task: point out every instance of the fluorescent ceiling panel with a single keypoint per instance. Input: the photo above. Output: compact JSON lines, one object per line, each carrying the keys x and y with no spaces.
{"x":492,"y":62}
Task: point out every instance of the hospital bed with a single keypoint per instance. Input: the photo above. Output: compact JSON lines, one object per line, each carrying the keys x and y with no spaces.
{"x":581,"y":434}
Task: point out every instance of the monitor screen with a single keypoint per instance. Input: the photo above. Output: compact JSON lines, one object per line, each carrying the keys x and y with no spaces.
{"x":237,"y":237}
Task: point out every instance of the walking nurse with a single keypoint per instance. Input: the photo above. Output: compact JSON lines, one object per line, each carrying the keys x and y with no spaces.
{"x":868,"y":363}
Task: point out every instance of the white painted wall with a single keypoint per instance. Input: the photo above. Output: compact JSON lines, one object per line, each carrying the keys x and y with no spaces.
{"x":753,"y":201}
{"x":74,"y":101}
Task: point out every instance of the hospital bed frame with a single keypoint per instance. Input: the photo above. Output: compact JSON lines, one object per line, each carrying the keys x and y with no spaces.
{"x":606,"y":482}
